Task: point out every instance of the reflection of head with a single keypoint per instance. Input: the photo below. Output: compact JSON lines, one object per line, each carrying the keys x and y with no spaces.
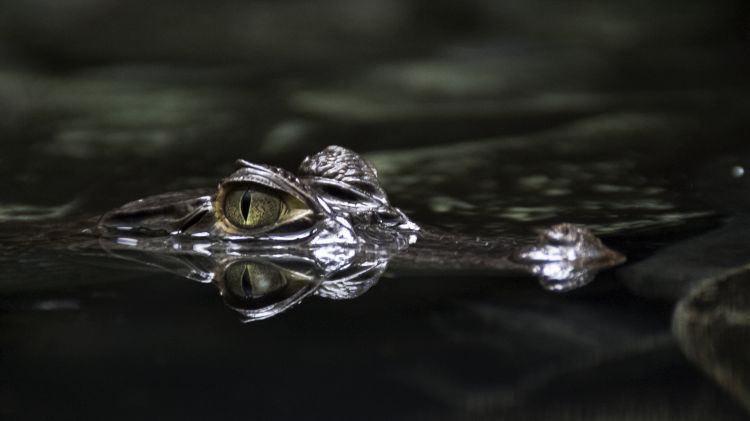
{"x":353,"y":281}
{"x":260,"y":283}
{"x":259,"y":289}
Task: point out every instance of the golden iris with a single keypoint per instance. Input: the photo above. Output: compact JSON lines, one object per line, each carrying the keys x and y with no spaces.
{"x":246,"y":208}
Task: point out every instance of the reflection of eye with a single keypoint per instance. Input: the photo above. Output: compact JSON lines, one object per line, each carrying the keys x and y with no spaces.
{"x":252,"y":285}
{"x":253,"y":209}
{"x":250,"y":206}
{"x":252,"y":280}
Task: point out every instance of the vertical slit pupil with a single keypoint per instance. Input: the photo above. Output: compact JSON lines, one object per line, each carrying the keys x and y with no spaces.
{"x":245,"y":204}
{"x":247,"y":285}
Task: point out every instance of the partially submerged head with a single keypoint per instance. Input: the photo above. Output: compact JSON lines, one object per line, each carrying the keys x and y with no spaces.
{"x":268,"y":238}
{"x":335,"y":198}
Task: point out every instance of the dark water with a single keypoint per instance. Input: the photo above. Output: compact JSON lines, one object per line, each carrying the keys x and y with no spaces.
{"x":487,"y":118}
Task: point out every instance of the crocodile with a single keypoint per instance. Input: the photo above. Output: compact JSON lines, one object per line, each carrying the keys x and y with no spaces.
{"x":268,"y":238}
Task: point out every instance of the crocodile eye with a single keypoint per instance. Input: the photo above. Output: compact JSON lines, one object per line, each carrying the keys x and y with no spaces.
{"x":251,"y":207}
{"x":247,"y":208}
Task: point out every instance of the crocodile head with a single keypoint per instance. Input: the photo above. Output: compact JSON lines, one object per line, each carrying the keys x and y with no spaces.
{"x":334,"y":199}
{"x":267,"y":238}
